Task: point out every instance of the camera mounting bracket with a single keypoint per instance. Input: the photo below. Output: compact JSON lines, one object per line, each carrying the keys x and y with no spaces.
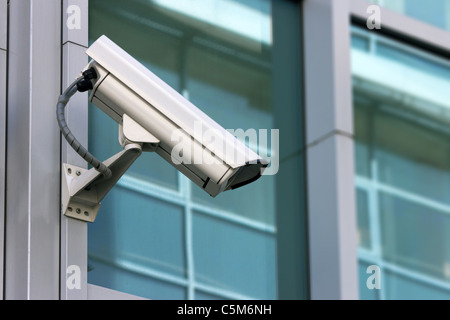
{"x":82,"y":190}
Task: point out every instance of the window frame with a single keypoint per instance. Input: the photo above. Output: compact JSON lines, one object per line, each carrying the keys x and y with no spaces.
{"x":331,"y":136}
{"x":404,"y":28}
{"x":31,"y":197}
{"x":329,"y":151}
{"x":73,"y":232}
{"x":3,"y":79}
{"x":420,"y":35}
{"x":94,"y":291}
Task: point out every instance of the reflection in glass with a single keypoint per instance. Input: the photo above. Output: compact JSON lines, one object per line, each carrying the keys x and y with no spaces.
{"x":402,"y":116}
{"x":224,"y":56}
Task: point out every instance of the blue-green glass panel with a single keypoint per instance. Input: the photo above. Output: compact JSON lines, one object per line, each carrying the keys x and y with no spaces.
{"x":223,"y":100}
{"x":363,"y":219}
{"x":234,"y":257}
{"x":104,"y":143}
{"x":121,"y":279}
{"x":414,"y":59}
{"x":365,"y":293}
{"x":363,"y":139}
{"x":244,"y":78}
{"x":129,"y":228}
{"x":400,"y":287}
{"x":200,"y":295}
{"x":261,"y":208}
{"x":415,"y":236}
{"x":117,"y":19}
{"x":224,"y":86}
{"x":417,"y":160}
{"x":359,"y":43}
{"x":402,"y":154}
{"x":404,"y":173}
{"x":434,"y":12}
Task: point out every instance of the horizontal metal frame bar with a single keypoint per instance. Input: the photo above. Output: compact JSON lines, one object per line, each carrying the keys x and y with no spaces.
{"x":366,"y":183}
{"x":175,"y":197}
{"x":172,"y":279}
{"x":407,"y":28}
{"x":375,"y":38}
{"x":367,"y":256}
{"x":373,"y":255}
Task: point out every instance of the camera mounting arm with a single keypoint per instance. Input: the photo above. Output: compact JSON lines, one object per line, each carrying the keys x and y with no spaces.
{"x":83,"y":190}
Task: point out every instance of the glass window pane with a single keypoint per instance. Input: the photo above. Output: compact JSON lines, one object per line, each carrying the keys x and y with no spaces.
{"x":239,"y":61}
{"x":103,"y":141}
{"x":362,"y":203}
{"x":262,"y":209}
{"x":403,"y":167}
{"x":407,"y":288}
{"x":359,"y":43}
{"x":416,"y":154}
{"x":199,"y":295}
{"x":133,"y":282}
{"x":415,"y":61}
{"x":435,"y":12}
{"x":414,"y":235}
{"x":128,"y":227}
{"x":363,"y":139}
{"x":364,"y":292}
{"x":234,"y":258}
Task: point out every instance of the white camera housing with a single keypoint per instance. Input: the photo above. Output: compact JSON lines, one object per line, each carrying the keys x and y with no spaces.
{"x":136,"y":98}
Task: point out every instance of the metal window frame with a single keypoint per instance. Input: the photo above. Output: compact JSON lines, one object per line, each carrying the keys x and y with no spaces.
{"x":31,"y":257}
{"x":419,"y":34}
{"x":329,"y":114}
{"x":73,"y":233}
{"x":3,"y":77}
{"x":373,"y":187}
{"x":329,"y":150}
{"x":404,"y":27}
{"x":182,"y":196}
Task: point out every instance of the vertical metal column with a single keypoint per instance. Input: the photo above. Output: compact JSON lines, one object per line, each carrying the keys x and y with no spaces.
{"x":33,"y":151}
{"x":330,"y":154}
{"x":3,"y":73}
{"x":74,"y":59}
{"x":290,"y":187}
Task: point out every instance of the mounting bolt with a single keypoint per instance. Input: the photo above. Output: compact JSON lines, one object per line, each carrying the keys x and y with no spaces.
{"x":78,"y":210}
{"x":78,"y":172}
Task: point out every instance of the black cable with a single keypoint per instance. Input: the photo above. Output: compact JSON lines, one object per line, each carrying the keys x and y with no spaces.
{"x":81,"y":84}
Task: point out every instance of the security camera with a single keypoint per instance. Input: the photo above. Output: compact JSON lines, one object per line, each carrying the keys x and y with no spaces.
{"x":154,"y":117}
